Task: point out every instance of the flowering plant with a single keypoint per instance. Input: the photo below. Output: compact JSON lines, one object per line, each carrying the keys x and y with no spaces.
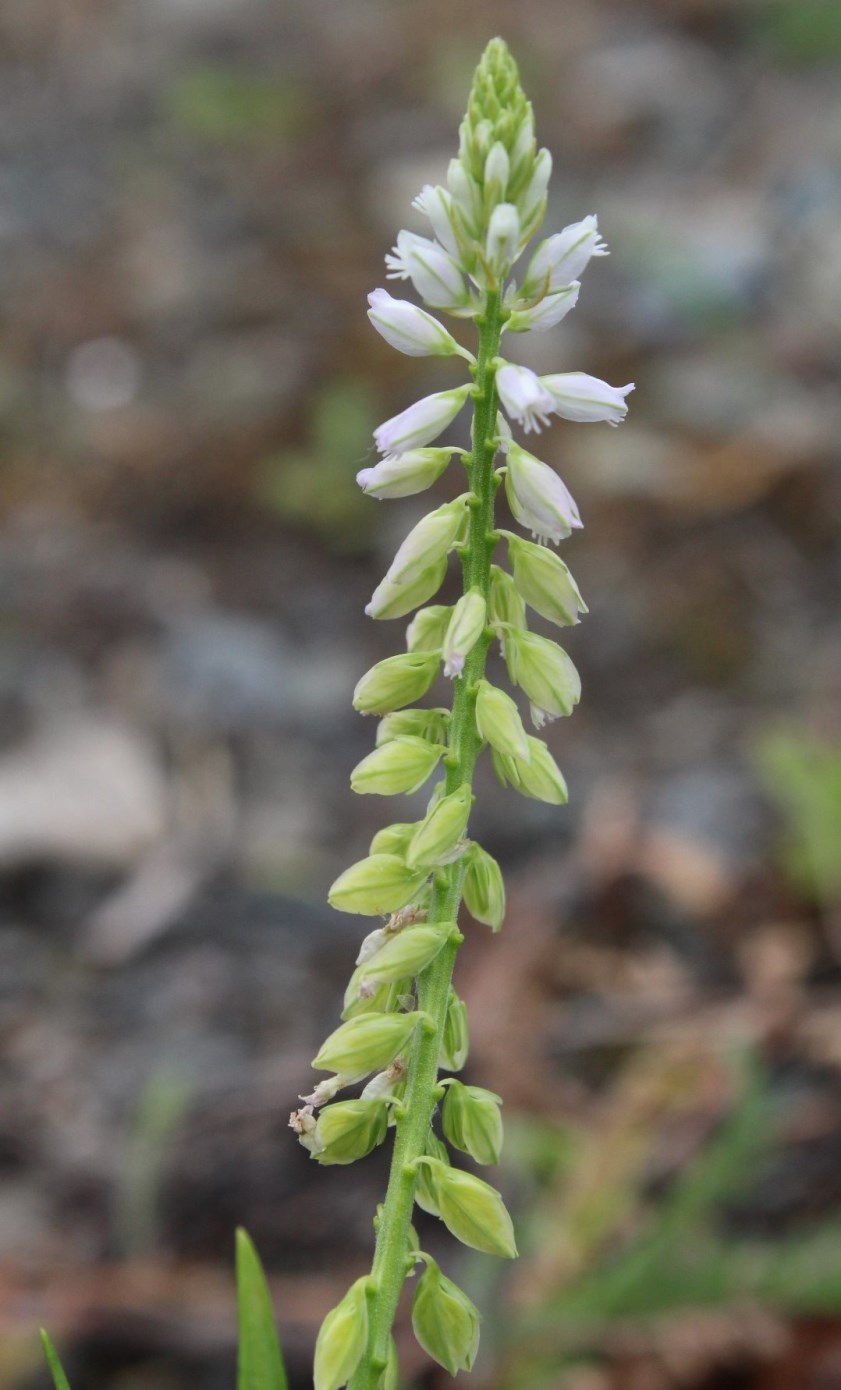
{"x":403,"y":1022}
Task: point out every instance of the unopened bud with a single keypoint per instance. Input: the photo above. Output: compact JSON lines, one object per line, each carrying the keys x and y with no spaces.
{"x":365,"y":1044}
{"x":407,"y":954}
{"x":404,"y":475}
{"x":426,"y":631}
{"x":390,"y":1377}
{"x":498,"y":722}
{"x":471,"y":1209}
{"x":484,"y":889}
{"x":401,"y":765}
{"x":540,"y":778}
{"x":463,"y":631}
{"x":430,"y":724}
{"x":455,"y":1042}
{"x":438,"y":835}
{"x":544,"y":671}
{"x":471,"y":1121}
{"x":428,"y":541}
{"x":545,"y":582}
{"x":445,"y":1322}
{"x":342,"y":1339}
{"x":505,"y":605}
{"x":350,"y":1129}
{"x":392,"y":839}
{"x":497,"y":169}
{"x":380,"y":883}
{"x":503,"y":239}
{"x":391,"y":600}
{"x":424,"y":1195}
{"x":395,"y":682}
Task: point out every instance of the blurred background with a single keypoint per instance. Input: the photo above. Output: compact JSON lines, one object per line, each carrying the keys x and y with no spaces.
{"x":195,"y":198}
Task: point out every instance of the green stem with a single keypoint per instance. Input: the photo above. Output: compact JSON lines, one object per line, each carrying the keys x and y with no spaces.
{"x":390,"y":1262}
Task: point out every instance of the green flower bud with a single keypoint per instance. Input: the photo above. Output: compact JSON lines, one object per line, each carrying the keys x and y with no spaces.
{"x":463,"y":631}
{"x":471,"y":1209}
{"x":427,"y":629}
{"x":471,"y":1121}
{"x":365,"y":1044}
{"x":390,"y":1376}
{"x":394,"y":600}
{"x":378,"y":1001}
{"x":401,"y":765}
{"x":499,"y":723}
{"x":545,"y":582}
{"x":540,"y":778}
{"x":505,"y":604}
{"x":430,"y":724}
{"x":544,"y":671}
{"x":405,"y":954}
{"x":342,"y":1339}
{"x":397,"y":681}
{"x":424,"y":1195}
{"x":350,"y":1129}
{"x":455,"y":1042}
{"x":445,"y":1322}
{"x":381,"y":883}
{"x":393,"y":839}
{"x":438,"y":835}
{"x":484,"y":890}
{"x":430,"y":539}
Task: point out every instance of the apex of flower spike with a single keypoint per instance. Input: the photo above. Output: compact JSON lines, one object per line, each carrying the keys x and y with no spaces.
{"x":497,"y":110}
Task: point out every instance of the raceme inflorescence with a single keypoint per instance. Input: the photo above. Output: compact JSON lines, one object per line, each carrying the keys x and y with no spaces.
{"x":403,"y":1021}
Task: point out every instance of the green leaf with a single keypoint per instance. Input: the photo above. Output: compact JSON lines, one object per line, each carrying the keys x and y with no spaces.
{"x":60,"y":1380}
{"x":259,"y":1363}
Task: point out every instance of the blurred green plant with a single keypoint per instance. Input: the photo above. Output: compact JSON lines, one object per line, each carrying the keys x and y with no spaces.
{"x":222,"y":103}
{"x":602,"y":1251}
{"x":802,"y":774}
{"x":160,"y":1108}
{"x":801,"y":31}
{"x":313,"y":487}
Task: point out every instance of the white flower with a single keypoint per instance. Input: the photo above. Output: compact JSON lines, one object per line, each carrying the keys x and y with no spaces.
{"x":577,"y":396}
{"x":410,"y":329}
{"x":523,"y":396}
{"x":563,"y":257}
{"x":538,"y":498}
{"x":437,"y":204}
{"x":421,"y":422}
{"x":549,"y":311}
{"x":403,"y":475}
{"x":503,"y":238}
{"x":434,"y":273}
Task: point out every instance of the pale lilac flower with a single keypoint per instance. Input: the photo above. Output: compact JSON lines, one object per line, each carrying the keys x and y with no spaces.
{"x":422,"y":422}
{"x":523,"y":396}
{"x":434,"y":273}
{"x":538,"y":498}
{"x":546,"y":313}
{"x":577,"y":396}
{"x":563,"y":257}
{"x":437,"y":204}
{"x":410,"y":329}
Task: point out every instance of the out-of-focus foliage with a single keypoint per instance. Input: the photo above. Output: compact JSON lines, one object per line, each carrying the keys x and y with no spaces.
{"x":803,"y":775}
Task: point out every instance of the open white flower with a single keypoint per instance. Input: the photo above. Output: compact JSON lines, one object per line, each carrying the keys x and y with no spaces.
{"x":523,"y":396}
{"x":410,"y":329}
{"x":546,"y":313}
{"x":538,"y":498}
{"x":586,"y":399}
{"x":434,"y":273}
{"x":422,"y":422}
{"x":563,"y":257}
{"x":436,"y":203}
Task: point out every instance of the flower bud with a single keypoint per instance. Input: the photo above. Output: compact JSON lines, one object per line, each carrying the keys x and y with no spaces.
{"x":455,"y":1042}
{"x":466,"y":196}
{"x":471,"y":1121}
{"x":498,"y":722}
{"x":540,"y":778}
{"x":497,"y":170}
{"x":350,"y":1129}
{"x":420,"y":423}
{"x":545,"y":582}
{"x":390,"y":600}
{"x":471,"y":1209}
{"x":424,"y":1195}
{"x":390,"y":1377}
{"x":409,"y":329}
{"x":586,"y":399}
{"x":445,"y":1322}
{"x":406,"y":954}
{"x":532,"y":200}
{"x":366,"y":1043}
{"x":484,"y":890}
{"x":502,"y":240}
{"x":401,"y":765}
{"x":536,"y":318}
{"x":441,"y":831}
{"x":523,"y":396}
{"x":392,"y":839}
{"x":562,"y":258}
{"x":537,"y":497}
{"x":430,"y":724}
{"x":544,"y":671}
{"x":395,"y":682}
{"x":463,"y":631}
{"x":504,"y":603}
{"x":380,"y":883}
{"x":376,"y":1000}
{"x":404,"y":475}
{"x":523,"y":150}
{"x":342,"y":1339}
{"x":428,"y":542}
{"x":428,"y":628}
